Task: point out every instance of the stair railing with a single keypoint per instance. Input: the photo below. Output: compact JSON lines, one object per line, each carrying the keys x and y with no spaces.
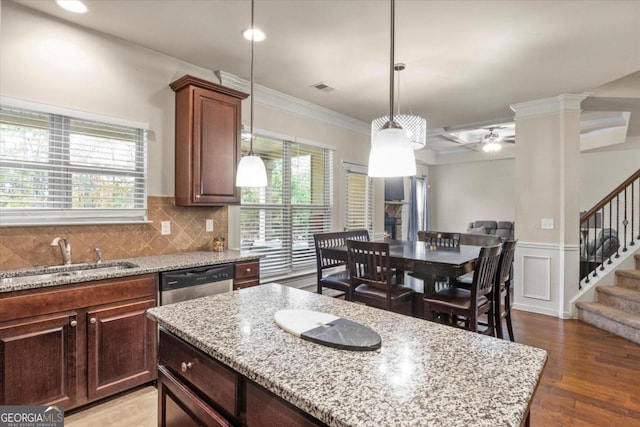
{"x":609,"y":228}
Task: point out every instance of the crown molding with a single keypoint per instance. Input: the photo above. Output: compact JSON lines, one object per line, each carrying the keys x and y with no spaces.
{"x":565,"y":103}
{"x":292,"y":105}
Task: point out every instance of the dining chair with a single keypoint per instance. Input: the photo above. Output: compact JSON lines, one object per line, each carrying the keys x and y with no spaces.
{"x":452,"y":304}
{"x":373,"y":279}
{"x":438,"y":238}
{"x":501,"y":293}
{"x":333,"y":273}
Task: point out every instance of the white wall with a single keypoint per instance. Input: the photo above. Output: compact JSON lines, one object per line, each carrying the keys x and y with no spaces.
{"x":602,"y":171}
{"x":465,"y":192}
{"x":46,"y":60}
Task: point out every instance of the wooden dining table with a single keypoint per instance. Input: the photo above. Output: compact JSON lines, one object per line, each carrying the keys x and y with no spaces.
{"x":423,"y":260}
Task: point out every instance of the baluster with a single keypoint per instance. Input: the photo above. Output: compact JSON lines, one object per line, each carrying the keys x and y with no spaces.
{"x":633,"y":206}
{"x":595,"y":253}
{"x":610,"y":218}
{"x":596,"y":225}
{"x":625,"y":222}
{"x":618,"y":221}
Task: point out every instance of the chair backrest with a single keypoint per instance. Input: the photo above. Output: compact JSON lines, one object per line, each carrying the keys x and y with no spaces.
{"x":506,"y":260}
{"x":369,"y":264}
{"x":334,"y":239}
{"x":484,"y":272}
{"x":475,"y":239}
{"x":438,"y":238}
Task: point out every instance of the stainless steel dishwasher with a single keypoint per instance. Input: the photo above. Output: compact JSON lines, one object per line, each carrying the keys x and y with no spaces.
{"x":190,"y":283}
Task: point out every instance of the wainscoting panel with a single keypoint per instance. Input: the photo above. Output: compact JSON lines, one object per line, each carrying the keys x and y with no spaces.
{"x":536,"y":276}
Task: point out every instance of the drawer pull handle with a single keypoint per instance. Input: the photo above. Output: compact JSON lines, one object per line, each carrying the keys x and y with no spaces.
{"x":185,"y":366}
{"x":73,"y":323}
{"x":248,"y":270}
{"x":92,"y":320}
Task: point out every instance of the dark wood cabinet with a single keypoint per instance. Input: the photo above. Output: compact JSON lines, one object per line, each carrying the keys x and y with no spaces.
{"x":181,"y":407}
{"x":73,"y":344}
{"x":196,"y":389}
{"x":120,"y":348}
{"x":246,"y":274}
{"x":207,"y":142}
{"x":38,"y":361}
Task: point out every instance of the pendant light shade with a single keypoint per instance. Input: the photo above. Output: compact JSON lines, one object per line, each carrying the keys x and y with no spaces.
{"x":391,"y":152}
{"x":251,"y":170}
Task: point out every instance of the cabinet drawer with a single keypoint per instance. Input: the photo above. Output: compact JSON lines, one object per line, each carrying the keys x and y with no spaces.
{"x":266,"y":409}
{"x":246,"y":270}
{"x":242,"y":284}
{"x":210,"y":377}
{"x":181,"y":408}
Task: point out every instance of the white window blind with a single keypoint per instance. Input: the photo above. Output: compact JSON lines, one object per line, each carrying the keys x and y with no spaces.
{"x":359,"y":200}
{"x":280,"y":220}
{"x":57,"y":169}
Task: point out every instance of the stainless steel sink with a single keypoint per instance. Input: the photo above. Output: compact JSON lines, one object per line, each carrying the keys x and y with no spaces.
{"x":76,"y":270}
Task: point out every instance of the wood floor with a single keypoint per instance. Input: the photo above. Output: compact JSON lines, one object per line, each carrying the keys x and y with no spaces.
{"x":592,"y":378}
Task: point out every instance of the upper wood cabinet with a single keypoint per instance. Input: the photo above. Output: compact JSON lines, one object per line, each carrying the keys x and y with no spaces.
{"x":207,"y":142}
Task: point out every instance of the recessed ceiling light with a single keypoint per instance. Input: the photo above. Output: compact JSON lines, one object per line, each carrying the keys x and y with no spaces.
{"x":257,"y":34}
{"x":75,"y":6}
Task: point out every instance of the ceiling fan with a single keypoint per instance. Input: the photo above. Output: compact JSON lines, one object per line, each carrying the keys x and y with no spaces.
{"x":487,"y":138}
{"x":491,"y":142}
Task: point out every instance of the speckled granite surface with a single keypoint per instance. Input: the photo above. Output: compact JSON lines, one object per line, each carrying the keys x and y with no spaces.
{"x":425,"y":374}
{"x":143,"y":265}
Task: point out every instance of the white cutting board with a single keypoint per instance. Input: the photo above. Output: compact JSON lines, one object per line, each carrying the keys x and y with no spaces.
{"x":328,"y":329}
{"x":297,"y":322}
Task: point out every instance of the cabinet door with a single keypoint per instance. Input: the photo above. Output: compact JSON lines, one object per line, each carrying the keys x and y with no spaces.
{"x":216,"y":150}
{"x":121,"y":348}
{"x":178,"y":406}
{"x":38,"y":361}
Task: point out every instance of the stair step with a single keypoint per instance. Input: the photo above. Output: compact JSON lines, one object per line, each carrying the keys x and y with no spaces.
{"x":614,"y":320}
{"x":628,"y":279}
{"x":623,"y":298}
{"x":637,"y":257}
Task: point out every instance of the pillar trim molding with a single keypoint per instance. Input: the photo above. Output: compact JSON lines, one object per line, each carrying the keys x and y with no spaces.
{"x":565,"y":103}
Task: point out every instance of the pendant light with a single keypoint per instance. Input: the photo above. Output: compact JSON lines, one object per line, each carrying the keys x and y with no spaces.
{"x":391,"y":152}
{"x":251,"y":170}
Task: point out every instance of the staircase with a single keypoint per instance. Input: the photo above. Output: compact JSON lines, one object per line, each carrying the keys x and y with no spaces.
{"x":617,"y":308}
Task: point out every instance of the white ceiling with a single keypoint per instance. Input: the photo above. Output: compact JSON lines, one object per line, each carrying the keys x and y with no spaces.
{"x":466,"y":61}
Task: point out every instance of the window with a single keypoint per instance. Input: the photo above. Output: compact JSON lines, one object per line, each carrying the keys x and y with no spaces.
{"x":60,"y":169}
{"x":281,"y":219}
{"x":359,"y":199}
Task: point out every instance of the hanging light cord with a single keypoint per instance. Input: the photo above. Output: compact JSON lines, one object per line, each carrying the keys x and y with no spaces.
{"x":391,"y":65}
{"x":399,"y":69}
{"x":253,"y":34}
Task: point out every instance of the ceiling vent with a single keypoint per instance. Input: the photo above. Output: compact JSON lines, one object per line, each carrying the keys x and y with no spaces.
{"x":323,"y":87}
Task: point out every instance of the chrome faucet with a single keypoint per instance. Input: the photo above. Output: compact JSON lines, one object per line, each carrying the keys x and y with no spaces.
{"x":98,"y":256}
{"x":65,"y":249}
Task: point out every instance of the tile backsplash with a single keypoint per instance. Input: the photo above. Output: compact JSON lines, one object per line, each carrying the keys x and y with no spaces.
{"x":30,"y":246}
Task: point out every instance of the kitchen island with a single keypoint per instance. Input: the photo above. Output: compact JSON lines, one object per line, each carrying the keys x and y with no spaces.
{"x":425,"y":374}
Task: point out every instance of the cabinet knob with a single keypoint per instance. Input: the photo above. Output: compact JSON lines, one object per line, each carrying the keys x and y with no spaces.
{"x":248,"y":270}
{"x":92,"y":320}
{"x":185,"y":366}
{"x":73,"y":323}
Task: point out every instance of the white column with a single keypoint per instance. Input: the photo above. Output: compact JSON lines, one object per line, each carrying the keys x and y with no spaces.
{"x":547,"y":172}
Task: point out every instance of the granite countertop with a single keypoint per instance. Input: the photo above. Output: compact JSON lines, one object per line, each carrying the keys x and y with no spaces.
{"x":141,"y":265}
{"x":425,"y":374}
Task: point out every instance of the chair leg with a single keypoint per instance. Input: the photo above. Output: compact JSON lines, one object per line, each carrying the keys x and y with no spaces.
{"x":319,"y":286}
{"x":497,"y":317}
{"x":507,"y":309}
